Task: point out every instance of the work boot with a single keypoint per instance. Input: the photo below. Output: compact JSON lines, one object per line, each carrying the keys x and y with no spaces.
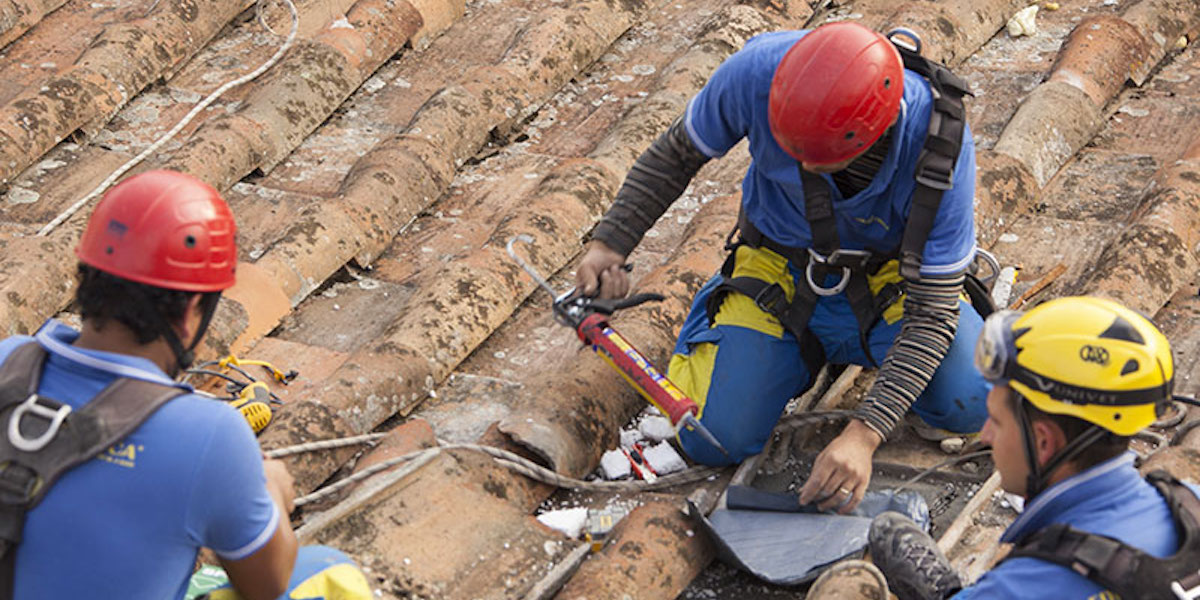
{"x":914,"y":566}
{"x":849,"y":580}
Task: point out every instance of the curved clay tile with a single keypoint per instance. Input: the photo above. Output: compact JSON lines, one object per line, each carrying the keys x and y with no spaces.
{"x":120,"y":62}
{"x":19,"y":16}
{"x":1063,"y":114}
{"x":1159,"y":252}
{"x":952,"y":31}
{"x":297,"y":95}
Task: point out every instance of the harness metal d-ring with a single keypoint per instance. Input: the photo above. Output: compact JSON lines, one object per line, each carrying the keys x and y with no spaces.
{"x":30,"y":405}
{"x":817,"y":258}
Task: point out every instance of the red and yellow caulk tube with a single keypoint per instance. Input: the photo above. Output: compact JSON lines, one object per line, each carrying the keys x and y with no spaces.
{"x":595,"y":331}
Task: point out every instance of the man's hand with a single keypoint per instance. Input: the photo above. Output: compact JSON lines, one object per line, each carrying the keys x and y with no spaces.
{"x":600,"y":272}
{"x":280,"y":484}
{"x":842,"y":470}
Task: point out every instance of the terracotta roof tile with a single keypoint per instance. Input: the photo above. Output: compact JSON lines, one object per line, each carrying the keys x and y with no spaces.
{"x":379,"y":168}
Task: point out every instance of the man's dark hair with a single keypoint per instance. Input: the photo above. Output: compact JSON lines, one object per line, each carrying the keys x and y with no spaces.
{"x":102,"y":297}
{"x":1109,"y":446}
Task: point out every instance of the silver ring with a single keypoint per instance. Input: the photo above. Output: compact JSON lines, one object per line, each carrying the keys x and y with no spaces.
{"x":826,"y":291}
{"x":845,"y":492}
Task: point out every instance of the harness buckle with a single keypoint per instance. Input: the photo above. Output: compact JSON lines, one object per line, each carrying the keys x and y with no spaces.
{"x":31,"y":406}
{"x":931,"y":176}
{"x":855,"y":260}
{"x":820,"y":259}
{"x":1192,"y":593}
{"x":771,"y":300}
{"x":18,"y":483}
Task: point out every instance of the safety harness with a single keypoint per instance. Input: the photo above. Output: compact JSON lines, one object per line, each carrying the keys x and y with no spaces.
{"x":44,"y":438}
{"x":934,"y":174}
{"x":1120,"y":568}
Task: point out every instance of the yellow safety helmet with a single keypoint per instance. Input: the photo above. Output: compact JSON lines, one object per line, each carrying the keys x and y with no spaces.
{"x":1083,"y":357}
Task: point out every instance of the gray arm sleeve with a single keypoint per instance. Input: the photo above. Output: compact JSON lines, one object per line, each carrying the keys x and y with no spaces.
{"x":931,"y":310}
{"x":657,"y":178}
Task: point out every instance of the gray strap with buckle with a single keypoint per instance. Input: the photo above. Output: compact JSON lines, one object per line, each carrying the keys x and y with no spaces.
{"x":44,"y":438}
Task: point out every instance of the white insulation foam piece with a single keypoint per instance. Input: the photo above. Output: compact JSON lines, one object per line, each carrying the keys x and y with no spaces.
{"x":664,"y":459}
{"x":629,"y":437}
{"x":615,"y":465}
{"x":656,"y":429}
{"x":569,"y":521}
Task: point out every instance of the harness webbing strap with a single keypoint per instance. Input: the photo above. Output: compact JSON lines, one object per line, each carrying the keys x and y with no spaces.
{"x":26,"y":476}
{"x":934,"y":172}
{"x":1123,"y":569}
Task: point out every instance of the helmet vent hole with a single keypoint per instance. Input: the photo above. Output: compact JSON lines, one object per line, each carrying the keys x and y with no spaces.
{"x":108,"y":249}
{"x":190,"y":241}
{"x":1131,"y":366}
{"x":887,"y":83}
{"x":1122,"y":329}
{"x":849,"y":135}
{"x":1116,"y":416}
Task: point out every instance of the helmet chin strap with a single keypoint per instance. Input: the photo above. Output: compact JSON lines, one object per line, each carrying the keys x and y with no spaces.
{"x":183,"y":356}
{"x":1039,"y":475}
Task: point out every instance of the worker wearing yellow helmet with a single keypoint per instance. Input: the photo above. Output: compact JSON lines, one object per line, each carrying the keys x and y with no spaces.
{"x":1103,"y":367}
{"x":1073,"y":379}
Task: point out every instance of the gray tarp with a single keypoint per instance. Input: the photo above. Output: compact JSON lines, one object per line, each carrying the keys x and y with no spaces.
{"x":772,"y":537}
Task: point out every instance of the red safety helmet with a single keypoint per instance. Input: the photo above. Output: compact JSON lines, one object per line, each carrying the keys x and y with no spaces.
{"x":164,"y":229}
{"x":835,"y":92}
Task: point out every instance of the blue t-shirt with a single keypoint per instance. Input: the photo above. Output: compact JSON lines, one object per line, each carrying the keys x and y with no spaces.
{"x":733,"y":105}
{"x":1110,"y":499}
{"x":128,"y":524}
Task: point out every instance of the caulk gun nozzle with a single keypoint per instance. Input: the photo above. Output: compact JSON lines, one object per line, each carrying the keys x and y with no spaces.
{"x":694,"y":424}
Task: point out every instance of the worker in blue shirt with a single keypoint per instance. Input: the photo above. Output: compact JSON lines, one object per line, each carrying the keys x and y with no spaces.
{"x":855,"y":235}
{"x":128,"y":522}
{"x":1075,"y":379}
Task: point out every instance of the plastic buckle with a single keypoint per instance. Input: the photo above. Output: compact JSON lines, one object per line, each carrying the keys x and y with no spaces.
{"x":930,"y":176}
{"x":912,"y":44}
{"x":819,"y":259}
{"x":18,"y":483}
{"x":55,"y":415}
{"x":1192,"y":593}
{"x":771,"y":299}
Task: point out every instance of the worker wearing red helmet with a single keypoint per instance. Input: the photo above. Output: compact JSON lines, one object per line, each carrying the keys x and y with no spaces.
{"x":855,"y":234}
{"x":92,"y":510}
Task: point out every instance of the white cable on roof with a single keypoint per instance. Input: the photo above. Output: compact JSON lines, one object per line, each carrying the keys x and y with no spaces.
{"x":287,"y":44}
{"x":521,"y":465}
{"x":325,"y":445}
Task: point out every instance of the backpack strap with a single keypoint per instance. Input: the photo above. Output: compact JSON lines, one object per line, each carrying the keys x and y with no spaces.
{"x":41,"y":438}
{"x":1123,"y":569}
{"x":1184,"y":567}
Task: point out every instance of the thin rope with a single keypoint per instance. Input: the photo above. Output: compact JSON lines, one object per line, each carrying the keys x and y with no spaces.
{"x":513,"y":462}
{"x":287,"y":44}
{"x":325,"y":445}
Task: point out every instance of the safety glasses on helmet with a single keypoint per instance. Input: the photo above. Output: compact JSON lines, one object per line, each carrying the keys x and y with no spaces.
{"x":996,"y":350}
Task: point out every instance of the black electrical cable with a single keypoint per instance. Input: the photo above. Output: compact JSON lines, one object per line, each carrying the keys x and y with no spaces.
{"x":942,"y":465}
{"x":217,"y":374}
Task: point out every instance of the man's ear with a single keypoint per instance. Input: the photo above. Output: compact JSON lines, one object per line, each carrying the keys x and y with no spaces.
{"x":1049,"y":438}
{"x":186,"y":325}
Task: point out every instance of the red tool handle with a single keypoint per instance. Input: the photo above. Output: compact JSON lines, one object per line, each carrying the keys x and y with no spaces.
{"x":654,"y":386}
